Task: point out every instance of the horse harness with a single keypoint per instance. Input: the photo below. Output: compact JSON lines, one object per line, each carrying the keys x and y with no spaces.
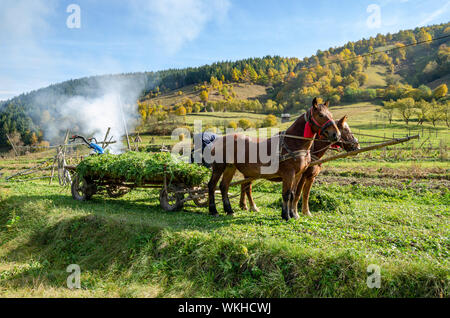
{"x":301,"y":153}
{"x":290,"y":154}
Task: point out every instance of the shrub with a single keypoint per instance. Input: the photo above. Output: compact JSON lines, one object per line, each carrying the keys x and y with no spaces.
{"x":335,"y":99}
{"x":232,"y":124}
{"x":181,"y":111}
{"x":210,"y":128}
{"x":204,"y":96}
{"x":244,"y":123}
{"x":269,"y":121}
{"x":196,"y":108}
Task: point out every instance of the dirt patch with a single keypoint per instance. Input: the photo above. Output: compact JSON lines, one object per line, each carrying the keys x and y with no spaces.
{"x":411,"y":172}
{"x":400,"y":183}
{"x":408,"y":177}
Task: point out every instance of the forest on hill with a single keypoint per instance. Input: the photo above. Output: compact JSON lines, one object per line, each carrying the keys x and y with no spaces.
{"x":338,"y":74}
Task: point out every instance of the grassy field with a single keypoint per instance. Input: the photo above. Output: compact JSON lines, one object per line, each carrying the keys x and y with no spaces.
{"x":129,"y":247}
{"x":382,"y":209}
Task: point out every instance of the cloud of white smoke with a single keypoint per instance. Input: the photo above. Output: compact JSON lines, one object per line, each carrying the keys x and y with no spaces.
{"x":114,"y":106}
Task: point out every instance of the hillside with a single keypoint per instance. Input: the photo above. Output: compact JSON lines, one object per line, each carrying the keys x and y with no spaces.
{"x":242,"y":91}
{"x":338,"y":74}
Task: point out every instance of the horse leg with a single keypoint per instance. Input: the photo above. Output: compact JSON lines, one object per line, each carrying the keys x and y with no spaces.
{"x":217,"y":171}
{"x":306,"y":191}
{"x":242,"y":201}
{"x":225,"y":185}
{"x":288,"y":180}
{"x":253,"y":206}
{"x":298,"y":192}
{"x":296,"y":198}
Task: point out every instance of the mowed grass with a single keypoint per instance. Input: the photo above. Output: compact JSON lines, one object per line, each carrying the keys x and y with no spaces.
{"x":129,"y":247}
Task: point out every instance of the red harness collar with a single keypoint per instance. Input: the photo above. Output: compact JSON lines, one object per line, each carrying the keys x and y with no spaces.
{"x":308,"y":133}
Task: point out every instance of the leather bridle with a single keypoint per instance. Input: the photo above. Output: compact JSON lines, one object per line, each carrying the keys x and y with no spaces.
{"x":338,"y":143}
{"x":310,"y":119}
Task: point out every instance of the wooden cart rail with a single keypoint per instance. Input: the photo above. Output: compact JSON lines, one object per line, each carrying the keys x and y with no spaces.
{"x":365,"y":149}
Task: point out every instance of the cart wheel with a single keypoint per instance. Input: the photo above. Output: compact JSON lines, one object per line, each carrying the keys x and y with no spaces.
{"x":81,"y":189}
{"x":116,"y":192}
{"x":171,"y":201}
{"x":201,"y":201}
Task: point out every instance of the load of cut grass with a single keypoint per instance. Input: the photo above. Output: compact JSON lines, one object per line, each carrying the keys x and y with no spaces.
{"x":141,"y":167}
{"x":320,"y":200}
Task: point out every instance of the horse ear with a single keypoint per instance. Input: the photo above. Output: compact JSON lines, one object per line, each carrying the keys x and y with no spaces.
{"x":343,"y":119}
{"x":314,"y":102}
{"x":327,"y":103}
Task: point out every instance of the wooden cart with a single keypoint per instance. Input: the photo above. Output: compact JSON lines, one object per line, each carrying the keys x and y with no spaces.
{"x":172,"y":196}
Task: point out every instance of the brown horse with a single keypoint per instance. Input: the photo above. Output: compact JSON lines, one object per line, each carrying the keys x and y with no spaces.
{"x":320,"y":146}
{"x":290,"y":156}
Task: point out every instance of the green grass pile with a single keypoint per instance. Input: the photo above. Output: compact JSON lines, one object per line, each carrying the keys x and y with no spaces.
{"x":143,"y":167}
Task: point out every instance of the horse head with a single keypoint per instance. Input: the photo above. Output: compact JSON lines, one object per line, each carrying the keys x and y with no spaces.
{"x":350,"y":142}
{"x":322,"y":121}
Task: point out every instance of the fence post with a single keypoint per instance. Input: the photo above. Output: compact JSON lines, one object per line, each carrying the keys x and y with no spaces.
{"x":442,"y":150}
{"x":12,"y":144}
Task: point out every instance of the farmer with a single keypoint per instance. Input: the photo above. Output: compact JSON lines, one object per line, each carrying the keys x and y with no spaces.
{"x":207,"y":139}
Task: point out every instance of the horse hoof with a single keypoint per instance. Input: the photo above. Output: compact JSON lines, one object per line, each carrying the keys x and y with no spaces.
{"x":213,"y":211}
{"x":255,"y":209}
{"x":227,"y":208}
{"x":244,"y":207}
{"x":294,"y":215}
{"x":307,"y":214}
{"x":285,"y":216}
{"x":230,"y":214}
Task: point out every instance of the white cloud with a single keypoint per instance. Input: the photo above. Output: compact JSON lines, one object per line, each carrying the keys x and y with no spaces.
{"x":434,"y":15}
{"x":23,"y":20}
{"x":176,"y":22}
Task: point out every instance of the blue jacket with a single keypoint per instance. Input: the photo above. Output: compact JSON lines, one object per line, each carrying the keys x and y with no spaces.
{"x":207,"y":138}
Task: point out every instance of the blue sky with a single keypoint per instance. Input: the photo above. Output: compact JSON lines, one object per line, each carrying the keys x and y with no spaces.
{"x":38,"y":49}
